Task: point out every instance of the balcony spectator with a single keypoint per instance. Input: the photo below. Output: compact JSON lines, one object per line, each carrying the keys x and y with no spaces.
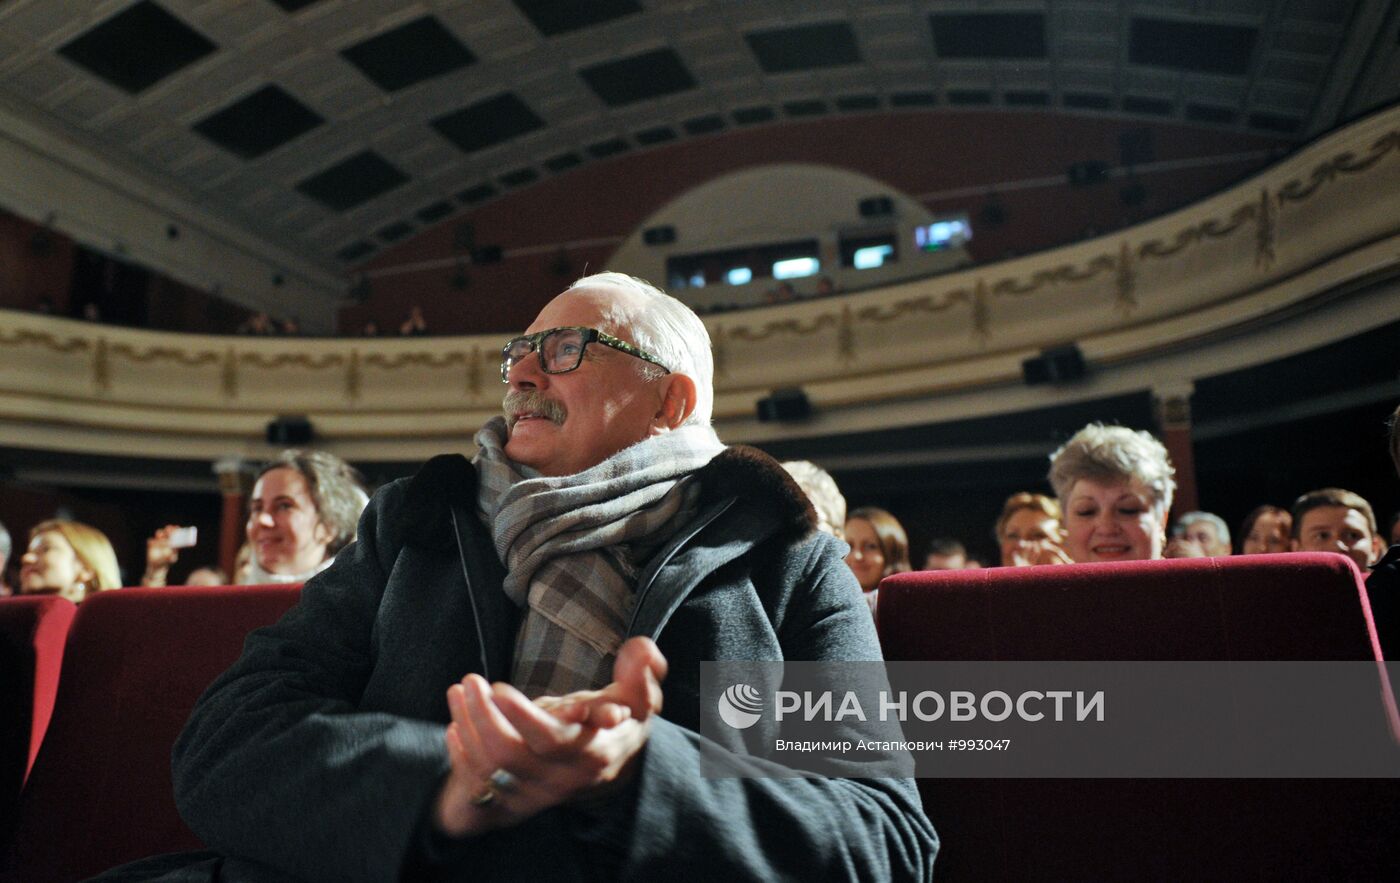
{"x":415,"y":324}
{"x":259,"y":325}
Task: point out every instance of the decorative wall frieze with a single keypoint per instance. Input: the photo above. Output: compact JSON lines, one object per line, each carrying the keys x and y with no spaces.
{"x":1265,"y":247}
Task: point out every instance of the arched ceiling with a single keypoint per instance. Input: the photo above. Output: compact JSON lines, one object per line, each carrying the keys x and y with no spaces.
{"x":332,"y":129}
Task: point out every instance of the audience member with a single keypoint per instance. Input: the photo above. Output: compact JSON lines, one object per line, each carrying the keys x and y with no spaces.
{"x":6,"y":545}
{"x":259,"y":324}
{"x":1336,"y":520}
{"x":1115,"y":487}
{"x":160,"y":555}
{"x":1266,"y":529}
{"x":370,"y":329}
{"x":1392,"y":529}
{"x":782,"y":293}
{"x":291,"y":326}
{"x":68,"y":559}
{"x":206,"y":576}
{"x":825,"y":287}
{"x":303,"y":510}
{"x":415,"y":324}
{"x":243,"y":565}
{"x":601,"y":512}
{"x":945,"y":553}
{"x":1028,"y":531}
{"x":821,"y":489}
{"x":1383,"y":585}
{"x":1198,"y":535}
{"x":879,"y":547}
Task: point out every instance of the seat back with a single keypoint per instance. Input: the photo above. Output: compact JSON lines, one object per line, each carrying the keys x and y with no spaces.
{"x":1304,"y":606}
{"x":100,"y":792}
{"x":1295,"y":606}
{"x":33,"y":629}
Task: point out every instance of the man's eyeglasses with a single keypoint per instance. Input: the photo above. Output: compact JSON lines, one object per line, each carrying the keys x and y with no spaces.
{"x":561,"y":349}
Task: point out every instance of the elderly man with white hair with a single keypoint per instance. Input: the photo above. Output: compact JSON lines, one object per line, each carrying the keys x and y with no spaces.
{"x":474,"y":688}
{"x":1199,"y":535}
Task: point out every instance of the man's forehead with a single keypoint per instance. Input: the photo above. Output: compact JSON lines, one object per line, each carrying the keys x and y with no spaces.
{"x":1333,"y":514}
{"x":601,"y":307}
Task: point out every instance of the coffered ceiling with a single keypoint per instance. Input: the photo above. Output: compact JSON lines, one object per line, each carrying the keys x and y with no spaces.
{"x":334,"y":128}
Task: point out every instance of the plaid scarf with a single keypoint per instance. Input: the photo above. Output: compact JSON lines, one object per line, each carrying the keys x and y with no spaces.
{"x":571,"y":545}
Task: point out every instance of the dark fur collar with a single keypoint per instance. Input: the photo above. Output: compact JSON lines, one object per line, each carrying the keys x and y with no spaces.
{"x":740,"y":471}
{"x":754,"y":476}
{"x":441,"y":481}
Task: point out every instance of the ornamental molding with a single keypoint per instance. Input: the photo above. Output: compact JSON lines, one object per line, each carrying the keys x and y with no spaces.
{"x":1275,"y":248}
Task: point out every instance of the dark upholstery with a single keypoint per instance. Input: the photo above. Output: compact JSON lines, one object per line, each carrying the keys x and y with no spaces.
{"x":33,"y":629}
{"x":1304,"y":606}
{"x":137,"y":659}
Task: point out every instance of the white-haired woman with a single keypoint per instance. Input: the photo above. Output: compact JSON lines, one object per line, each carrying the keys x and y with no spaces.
{"x":1115,"y":488}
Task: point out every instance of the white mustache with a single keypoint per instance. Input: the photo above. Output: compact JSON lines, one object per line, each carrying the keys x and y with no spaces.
{"x":518,"y":402}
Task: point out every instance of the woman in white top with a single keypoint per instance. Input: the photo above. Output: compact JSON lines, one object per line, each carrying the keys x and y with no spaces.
{"x":304,"y":509}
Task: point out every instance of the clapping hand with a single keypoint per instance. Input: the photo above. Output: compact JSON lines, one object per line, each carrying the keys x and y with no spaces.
{"x":512,"y":758}
{"x":1044,"y":551}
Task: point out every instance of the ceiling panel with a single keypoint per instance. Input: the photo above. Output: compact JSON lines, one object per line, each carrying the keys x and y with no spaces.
{"x":583,"y":78}
{"x":138,"y":47}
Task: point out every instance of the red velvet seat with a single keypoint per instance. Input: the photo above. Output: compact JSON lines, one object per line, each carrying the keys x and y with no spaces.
{"x":33,"y":629}
{"x":1267,"y":607}
{"x":137,"y":659}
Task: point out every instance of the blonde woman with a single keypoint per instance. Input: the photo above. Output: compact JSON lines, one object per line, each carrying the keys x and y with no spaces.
{"x":69,"y":559}
{"x":1028,"y":531}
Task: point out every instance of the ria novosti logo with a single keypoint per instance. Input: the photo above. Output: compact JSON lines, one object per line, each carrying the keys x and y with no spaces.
{"x":740,"y":706}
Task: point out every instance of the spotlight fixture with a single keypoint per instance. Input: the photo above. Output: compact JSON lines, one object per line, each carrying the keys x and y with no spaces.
{"x":1059,"y":364}
{"x":787,"y":404}
{"x":993,"y":212}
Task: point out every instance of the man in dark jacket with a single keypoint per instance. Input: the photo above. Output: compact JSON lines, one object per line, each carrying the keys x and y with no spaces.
{"x":578,"y":571}
{"x":1383,"y":584}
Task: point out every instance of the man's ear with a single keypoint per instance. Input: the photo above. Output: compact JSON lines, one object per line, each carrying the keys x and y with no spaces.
{"x":1377,"y":547}
{"x":677,"y":401}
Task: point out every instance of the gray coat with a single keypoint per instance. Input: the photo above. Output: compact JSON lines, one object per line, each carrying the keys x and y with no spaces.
{"x":319,"y":752}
